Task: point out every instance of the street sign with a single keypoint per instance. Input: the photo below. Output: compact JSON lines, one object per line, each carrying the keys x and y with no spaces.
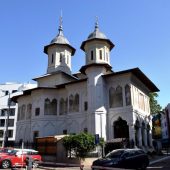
{"x":96,"y":139}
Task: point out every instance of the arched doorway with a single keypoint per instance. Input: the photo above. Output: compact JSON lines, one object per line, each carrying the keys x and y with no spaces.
{"x":137,"y":126}
{"x":121,"y":129}
{"x":148,"y":135}
{"x":143,"y":133}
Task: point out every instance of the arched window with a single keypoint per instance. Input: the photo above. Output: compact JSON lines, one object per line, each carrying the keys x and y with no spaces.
{"x":118,"y":97}
{"x":76,"y":103}
{"x":127,"y":95}
{"x":92,"y":55}
{"x":61,"y":107}
{"x":23,"y":112}
{"x":85,"y":106}
{"x":111,"y":97}
{"x":60,"y":58}
{"x":47,"y":107}
{"x":19,"y":113}
{"x":29,"y":111}
{"x":71,"y":102}
{"x":66,"y":106}
{"x":52,"y":58}
{"x":100,"y":54}
{"x":54,"y":107}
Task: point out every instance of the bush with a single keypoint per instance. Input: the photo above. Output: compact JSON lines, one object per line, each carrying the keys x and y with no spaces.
{"x":80,"y":144}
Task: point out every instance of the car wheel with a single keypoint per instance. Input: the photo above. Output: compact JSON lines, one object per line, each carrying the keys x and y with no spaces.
{"x":35,"y":164}
{"x":144,"y":166}
{"x":6,"y":164}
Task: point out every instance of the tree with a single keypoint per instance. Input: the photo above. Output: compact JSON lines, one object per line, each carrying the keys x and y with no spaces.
{"x":80,"y":144}
{"x":154,"y":106}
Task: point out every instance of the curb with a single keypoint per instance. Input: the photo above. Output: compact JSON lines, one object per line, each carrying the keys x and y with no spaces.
{"x":54,"y":166}
{"x":47,"y":168}
{"x":158,"y":160}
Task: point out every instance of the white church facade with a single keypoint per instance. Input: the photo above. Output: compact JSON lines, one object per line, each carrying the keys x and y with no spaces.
{"x":95,"y":100}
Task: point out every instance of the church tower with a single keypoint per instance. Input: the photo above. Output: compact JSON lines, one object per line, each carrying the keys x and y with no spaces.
{"x":97,"y":48}
{"x":59,"y":53}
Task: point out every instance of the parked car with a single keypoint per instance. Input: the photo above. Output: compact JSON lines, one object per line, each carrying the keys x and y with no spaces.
{"x":18,"y":158}
{"x":4,"y":151}
{"x":123,"y":158}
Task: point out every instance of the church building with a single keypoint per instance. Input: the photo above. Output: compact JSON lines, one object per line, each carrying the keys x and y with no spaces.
{"x":96,"y":100}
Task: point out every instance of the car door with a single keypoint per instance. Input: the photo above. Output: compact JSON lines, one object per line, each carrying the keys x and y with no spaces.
{"x":127,"y":160}
{"x":18,"y":159}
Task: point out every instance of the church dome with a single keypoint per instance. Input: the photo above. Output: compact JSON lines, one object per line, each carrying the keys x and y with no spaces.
{"x":97,"y":34}
{"x":60,"y":39}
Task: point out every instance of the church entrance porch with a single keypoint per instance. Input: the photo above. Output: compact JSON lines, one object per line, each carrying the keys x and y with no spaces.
{"x":125,"y":134}
{"x":121,"y":129}
{"x":143,"y":138}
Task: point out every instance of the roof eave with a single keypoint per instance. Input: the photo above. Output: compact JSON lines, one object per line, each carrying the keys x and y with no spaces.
{"x":140,"y":75}
{"x":93,"y":39}
{"x":83,"y":68}
{"x":54,"y":44}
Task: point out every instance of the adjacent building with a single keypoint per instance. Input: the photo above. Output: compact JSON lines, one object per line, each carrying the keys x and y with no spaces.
{"x":97,"y":100}
{"x":166,"y":125}
{"x":7,"y":91}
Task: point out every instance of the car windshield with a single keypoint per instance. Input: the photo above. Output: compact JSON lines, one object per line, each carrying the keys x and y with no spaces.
{"x":115,"y":154}
{"x":12,"y":152}
{"x":5,"y":150}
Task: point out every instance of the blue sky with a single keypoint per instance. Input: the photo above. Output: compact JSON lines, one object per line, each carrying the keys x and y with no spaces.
{"x":139,"y":29}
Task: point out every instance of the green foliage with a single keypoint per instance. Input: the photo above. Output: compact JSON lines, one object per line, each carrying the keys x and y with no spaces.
{"x":68,"y":143}
{"x":81,"y":144}
{"x":101,"y":142}
{"x":154,"y":106}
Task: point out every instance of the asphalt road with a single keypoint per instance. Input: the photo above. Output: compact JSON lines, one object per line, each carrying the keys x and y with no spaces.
{"x":161,"y":165}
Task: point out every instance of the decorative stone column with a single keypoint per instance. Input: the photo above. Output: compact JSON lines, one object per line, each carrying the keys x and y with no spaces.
{"x":131,"y":134}
{"x":150,"y":139}
{"x":140,"y":136}
{"x":145,"y":136}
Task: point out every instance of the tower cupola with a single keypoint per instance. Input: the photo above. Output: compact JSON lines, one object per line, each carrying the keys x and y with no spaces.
{"x":59,"y":53}
{"x":97,"y":47}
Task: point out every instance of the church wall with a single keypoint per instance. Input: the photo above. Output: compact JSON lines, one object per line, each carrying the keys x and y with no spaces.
{"x":46,"y":125}
{"x":93,"y":105}
{"x":53,"y":80}
{"x":129,"y":113}
{"x":140,"y":98}
{"x":61,"y":59}
{"x":50,"y":81}
{"x":96,"y":46}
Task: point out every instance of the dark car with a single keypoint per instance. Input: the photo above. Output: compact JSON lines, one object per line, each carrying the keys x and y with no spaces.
{"x":123,"y":158}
